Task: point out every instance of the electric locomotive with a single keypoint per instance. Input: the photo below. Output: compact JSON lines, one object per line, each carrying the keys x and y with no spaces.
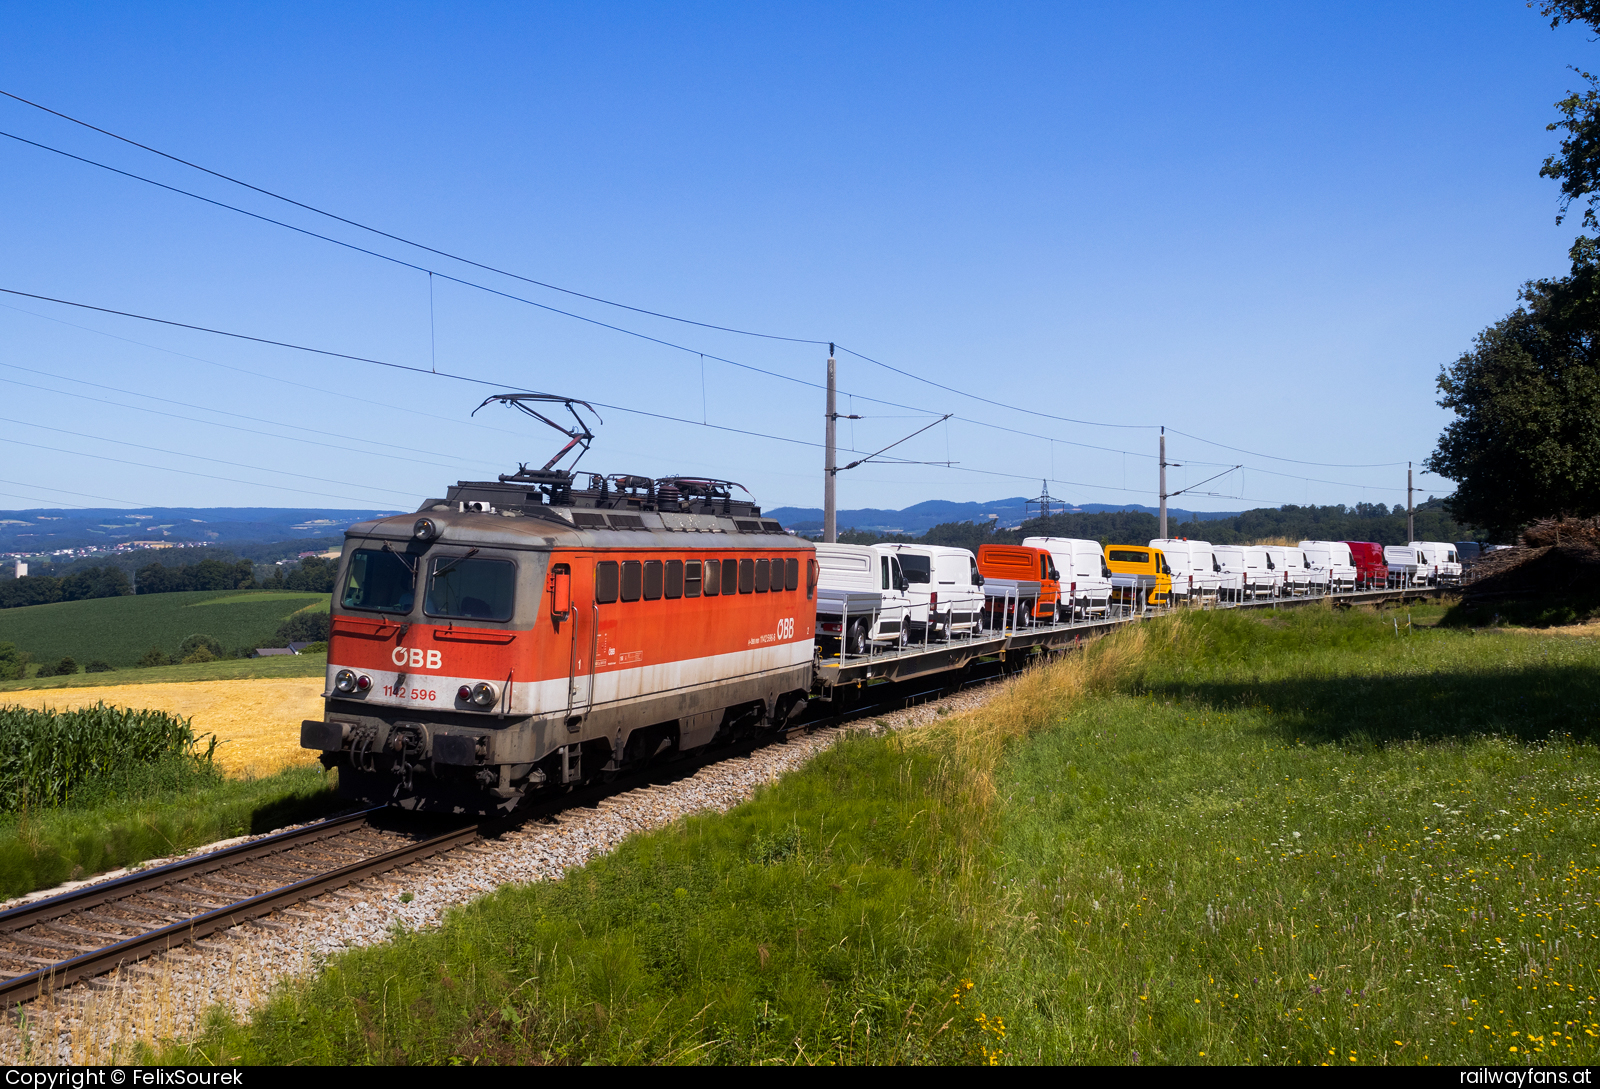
{"x":525,"y":634}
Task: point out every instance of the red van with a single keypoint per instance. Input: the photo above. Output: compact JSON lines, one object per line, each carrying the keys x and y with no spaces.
{"x":1024,"y":564}
{"x":1371,"y":572}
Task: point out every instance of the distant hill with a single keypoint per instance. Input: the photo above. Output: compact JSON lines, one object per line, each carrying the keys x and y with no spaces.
{"x":45,"y":530}
{"x":918,"y":519}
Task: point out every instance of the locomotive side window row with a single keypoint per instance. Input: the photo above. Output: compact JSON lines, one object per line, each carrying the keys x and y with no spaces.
{"x":650,"y":580}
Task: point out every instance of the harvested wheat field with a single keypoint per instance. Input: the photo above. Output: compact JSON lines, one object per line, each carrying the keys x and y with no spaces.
{"x":257,"y":720}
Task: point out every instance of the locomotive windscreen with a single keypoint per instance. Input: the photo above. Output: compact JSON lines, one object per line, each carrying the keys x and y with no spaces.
{"x":471,"y":589}
{"x":379,"y":580}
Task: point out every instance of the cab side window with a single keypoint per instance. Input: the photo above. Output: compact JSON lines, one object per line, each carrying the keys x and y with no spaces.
{"x":713,"y":578}
{"x":791,"y":574}
{"x":605,"y":581}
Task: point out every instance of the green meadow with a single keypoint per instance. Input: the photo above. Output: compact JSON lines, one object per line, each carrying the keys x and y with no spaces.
{"x":1298,"y":837}
{"x":226,"y":669}
{"x":120,"y":630}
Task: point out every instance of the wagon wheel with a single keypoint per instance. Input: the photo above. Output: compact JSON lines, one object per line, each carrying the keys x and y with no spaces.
{"x":855,"y":640}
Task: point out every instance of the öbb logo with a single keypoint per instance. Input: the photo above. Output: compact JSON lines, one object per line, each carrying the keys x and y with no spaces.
{"x":416,"y":658}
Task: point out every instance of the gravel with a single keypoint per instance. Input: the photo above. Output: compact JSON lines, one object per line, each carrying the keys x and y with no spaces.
{"x":165,"y":997}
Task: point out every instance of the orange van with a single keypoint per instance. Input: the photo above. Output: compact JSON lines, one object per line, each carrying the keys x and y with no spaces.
{"x":1024,"y":564}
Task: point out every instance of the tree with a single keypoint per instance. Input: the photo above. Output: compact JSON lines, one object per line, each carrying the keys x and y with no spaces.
{"x":1525,"y":443}
{"x":304,"y":628}
{"x":1577,"y":166}
{"x":314,"y":574}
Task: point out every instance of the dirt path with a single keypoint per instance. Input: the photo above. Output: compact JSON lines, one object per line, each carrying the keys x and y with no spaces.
{"x":258,"y":720}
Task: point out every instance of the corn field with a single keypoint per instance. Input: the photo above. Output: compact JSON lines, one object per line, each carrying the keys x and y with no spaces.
{"x":45,"y":755}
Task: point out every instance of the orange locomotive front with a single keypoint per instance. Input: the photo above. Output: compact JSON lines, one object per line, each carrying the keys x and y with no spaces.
{"x":524,"y":635}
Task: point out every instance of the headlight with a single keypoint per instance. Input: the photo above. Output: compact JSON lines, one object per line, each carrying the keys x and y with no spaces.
{"x":425,"y":529}
{"x":344,"y":681}
{"x":484,"y":694}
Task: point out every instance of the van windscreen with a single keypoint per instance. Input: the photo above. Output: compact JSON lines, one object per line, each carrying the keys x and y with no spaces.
{"x":917,"y":569}
{"x":1127,"y":555}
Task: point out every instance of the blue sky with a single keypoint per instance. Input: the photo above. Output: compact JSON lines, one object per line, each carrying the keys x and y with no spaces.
{"x":1266,"y":226}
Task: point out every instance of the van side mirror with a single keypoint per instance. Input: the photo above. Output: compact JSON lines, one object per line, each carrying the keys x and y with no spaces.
{"x":901,"y":583}
{"x":559,"y":587}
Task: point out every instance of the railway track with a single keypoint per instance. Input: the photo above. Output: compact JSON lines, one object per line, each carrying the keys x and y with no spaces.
{"x":93,"y":930}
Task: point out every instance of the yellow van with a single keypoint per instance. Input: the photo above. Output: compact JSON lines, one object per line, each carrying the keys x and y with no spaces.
{"x":1139,"y":575}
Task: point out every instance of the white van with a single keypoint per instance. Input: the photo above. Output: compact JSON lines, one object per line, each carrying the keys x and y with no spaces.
{"x":1247,"y":569}
{"x":1085,"y":578}
{"x":943,"y":582}
{"x":1291,"y":571}
{"x":862,"y":598}
{"x":1440,"y":561}
{"x":1193,"y":566}
{"x":1333,"y":564}
{"x":1405,"y":566}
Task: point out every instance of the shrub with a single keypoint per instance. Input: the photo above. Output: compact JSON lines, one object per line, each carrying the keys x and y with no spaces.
{"x":66,"y":667}
{"x":155,"y":656}
{"x":319,"y":647}
{"x":199,"y":654}
{"x":99,"y":665}
{"x":189,"y":646}
{"x":13,"y":662}
{"x":304,"y":627}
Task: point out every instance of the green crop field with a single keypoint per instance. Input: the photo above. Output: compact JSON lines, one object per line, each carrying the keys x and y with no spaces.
{"x":120,"y":629}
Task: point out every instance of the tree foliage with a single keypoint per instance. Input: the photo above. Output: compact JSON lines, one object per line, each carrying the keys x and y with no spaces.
{"x":1525,"y":443}
{"x":79,"y":586}
{"x":1577,"y":165}
{"x":157,"y":578}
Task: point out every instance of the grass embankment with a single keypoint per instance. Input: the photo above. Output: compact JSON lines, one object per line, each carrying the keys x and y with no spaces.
{"x":1308,"y":839}
{"x":100,"y":788}
{"x":120,"y":630}
{"x":1290,"y":838}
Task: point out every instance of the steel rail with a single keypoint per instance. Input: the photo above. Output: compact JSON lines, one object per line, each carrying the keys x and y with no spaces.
{"x":136,"y":947}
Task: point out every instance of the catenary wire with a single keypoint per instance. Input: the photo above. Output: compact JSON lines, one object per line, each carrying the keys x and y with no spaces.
{"x":214,"y":423}
{"x":199,"y":457}
{"x":407,"y":241}
{"x":184,"y":472}
{"x":484,"y":382}
{"x":606,"y":325}
{"x":265,"y":375}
